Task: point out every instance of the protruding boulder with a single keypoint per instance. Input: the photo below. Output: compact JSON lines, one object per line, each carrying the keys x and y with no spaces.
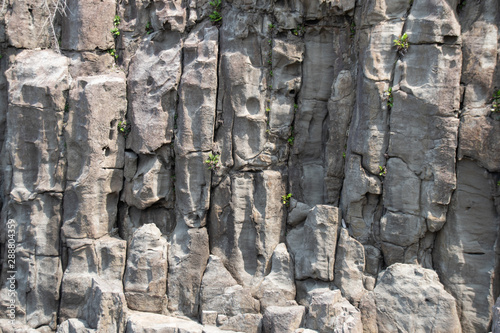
{"x":411,"y":298}
{"x":313,"y":244}
{"x":283,"y":319}
{"x":145,"y":278}
{"x":330,"y":312}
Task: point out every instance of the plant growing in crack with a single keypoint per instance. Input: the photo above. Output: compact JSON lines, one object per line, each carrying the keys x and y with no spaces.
{"x":299,"y":31}
{"x":291,"y":138}
{"x":402,"y":44}
{"x":116,"y":23}
{"x":389,"y":97}
{"x":213,"y":161}
{"x":285,"y":199}
{"x":383,"y":171}
{"x":149,"y":28}
{"x":495,"y":106}
{"x":215,"y":17}
{"x":124,"y":128}
{"x":113,"y":53}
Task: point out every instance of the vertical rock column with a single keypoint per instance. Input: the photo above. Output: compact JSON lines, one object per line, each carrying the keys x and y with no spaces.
{"x":466,"y":254}
{"x":193,"y":143}
{"x":33,"y":174}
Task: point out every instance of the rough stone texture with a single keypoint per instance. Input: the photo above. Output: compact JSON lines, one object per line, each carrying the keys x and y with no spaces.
{"x":26,"y":24}
{"x":411,"y":298}
{"x":155,"y":323}
{"x":278,"y":286}
{"x":95,"y":155}
{"x":495,"y":326}
{"x":247,"y":223}
{"x":330,"y":312}
{"x":83,"y":30}
{"x":152,"y":82}
{"x":187,"y":258}
{"x":349,"y":267}
{"x":221,"y":293}
{"x":313,"y":243}
{"x":283,"y":319}
{"x":464,"y":253}
{"x":145,"y":279}
{"x":396,"y":150}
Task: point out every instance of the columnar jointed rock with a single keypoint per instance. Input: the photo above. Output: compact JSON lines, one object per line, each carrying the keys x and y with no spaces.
{"x":283,"y":319}
{"x":411,"y":298}
{"x":330,"y":312}
{"x":145,"y":279}
{"x":313,"y":244}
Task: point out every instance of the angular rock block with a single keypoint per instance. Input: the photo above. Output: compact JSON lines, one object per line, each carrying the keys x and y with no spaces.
{"x":155,"y":323}
{"x":283,"y":319}
{"x":411,"y":298}
{"x":313,"y":244}
{"x":330,"y":312}
{"x":145,"y":279}
{"x":83,"y":30}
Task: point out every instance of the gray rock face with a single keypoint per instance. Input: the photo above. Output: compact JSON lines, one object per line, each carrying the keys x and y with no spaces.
{"x":235,"y":170}
{"x":83,"y":30}
{"x":313,"y":244}
{"x":411,"y":298}
{"x":145,"y":279}
{"x":330,"y":312}
{"x":152,"y":92}
{"x":460,"y":240}
{"x":283,"y":319}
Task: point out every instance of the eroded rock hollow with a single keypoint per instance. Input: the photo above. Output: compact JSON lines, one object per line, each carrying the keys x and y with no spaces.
{"x":250,"y":166}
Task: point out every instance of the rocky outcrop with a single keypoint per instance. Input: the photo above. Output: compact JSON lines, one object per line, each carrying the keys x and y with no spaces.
{"x":249,"y":166}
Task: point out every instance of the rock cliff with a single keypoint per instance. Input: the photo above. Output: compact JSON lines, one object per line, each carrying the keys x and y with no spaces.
{"x":250,"y":166}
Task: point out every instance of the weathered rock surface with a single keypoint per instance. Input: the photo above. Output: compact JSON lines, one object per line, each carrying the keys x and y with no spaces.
{"x":330,"y":312}
{"x":145,"y":279}
{"x":411,"y":298}
{"x":336,"y":155}
{"x":313,"y":244}
{"x":283,"y":319}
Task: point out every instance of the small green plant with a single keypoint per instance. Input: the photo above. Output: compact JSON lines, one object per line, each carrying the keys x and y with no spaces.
{"x":268,"y":110}
{"x":66,"y":107}
{"x":113,"y":53}
{"x":299,"y":31}
{"x":271,"y":73}
{"x":271,"y":26}
{"x":495,"y":107}
{"x":149,"y":28}
{"x":389,"y":97}
{"x":498,"y":183}
{"x":383,"y":171}
{"x":461,"y":5}
{"x":215,"y":17}
{"x":353,"y":29}
{"x":116,"y":23}
{"x":291,"y":138}
{"x":402,"y":44}
{"x":343,"y":155}
{"x":124,"y":128}
{"x":213,"y":161}
{"x":270,"y":86}
{"x":285,"y":199}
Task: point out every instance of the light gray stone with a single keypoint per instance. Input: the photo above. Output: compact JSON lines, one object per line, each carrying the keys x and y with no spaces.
{"x":247,"y":223}
{"x":152,"y":92}
{"x":187,"y":260}
{"x":313,"y":244}
{"x":145,"y":279}
{"x":247,"y":323}
{"x":283,"y":319}
{"x":74,"y":325}
{"x":411,"y":298}
{"x":278,"y":287}
{"x":349,"y":267}
{"x":330,"y":312}
{"x":495,"y":326}
{"x":83,"y":30}
{"x":463,"y":249}
{"x":156,"y":323}
{"x":221,"y":293}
